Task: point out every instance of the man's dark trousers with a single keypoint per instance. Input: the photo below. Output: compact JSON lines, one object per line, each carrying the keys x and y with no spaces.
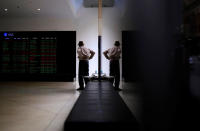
{"x":115,"y":71}
{"x":83,"y":71}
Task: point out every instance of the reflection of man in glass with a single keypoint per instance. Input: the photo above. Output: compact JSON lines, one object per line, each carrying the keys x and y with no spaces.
{"x":84,"y":55}
{"x":113,"y":54}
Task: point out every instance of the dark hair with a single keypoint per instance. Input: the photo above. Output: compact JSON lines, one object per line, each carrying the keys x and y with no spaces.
{"x":117,"y":43}
{"x":80,"y":43}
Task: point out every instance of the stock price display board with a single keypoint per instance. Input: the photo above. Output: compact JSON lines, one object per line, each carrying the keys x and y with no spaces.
{"x":33,"y":53}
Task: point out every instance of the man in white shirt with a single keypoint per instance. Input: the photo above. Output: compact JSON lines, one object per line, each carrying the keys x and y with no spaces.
{"x":84,"y":55}
{"x":113,"y":54}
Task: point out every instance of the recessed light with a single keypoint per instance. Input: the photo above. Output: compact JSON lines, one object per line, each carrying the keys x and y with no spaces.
{"x":5,"y":9}
{"x":38,"y":9}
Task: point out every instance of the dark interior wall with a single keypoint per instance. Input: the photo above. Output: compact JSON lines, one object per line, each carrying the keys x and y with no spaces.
{"x":130,"y":56}
{"x":159,"y":63}
{"x":66,"y":55}
{"x":38,"y":55}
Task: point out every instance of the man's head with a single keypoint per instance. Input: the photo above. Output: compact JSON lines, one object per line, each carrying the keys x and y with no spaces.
{"x":117,"y":43}
{"x":80,"y":43}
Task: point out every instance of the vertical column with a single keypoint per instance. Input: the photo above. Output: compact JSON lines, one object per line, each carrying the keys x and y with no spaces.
{"x":99,"y":36}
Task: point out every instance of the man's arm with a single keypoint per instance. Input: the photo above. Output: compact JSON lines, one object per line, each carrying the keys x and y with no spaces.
{"x":106,"y":54}
{"x":92,"y":54}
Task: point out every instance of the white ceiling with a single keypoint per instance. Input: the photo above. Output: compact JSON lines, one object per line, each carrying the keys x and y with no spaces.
{"x":28,"y":8}
{"x":48,"y":8}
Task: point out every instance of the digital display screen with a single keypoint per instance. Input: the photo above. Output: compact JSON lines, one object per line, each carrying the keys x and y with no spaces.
{"x":37,"y":52}
{"x":28,"y":54}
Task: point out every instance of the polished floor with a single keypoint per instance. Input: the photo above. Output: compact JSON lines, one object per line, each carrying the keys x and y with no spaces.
{"x":44,"y":106}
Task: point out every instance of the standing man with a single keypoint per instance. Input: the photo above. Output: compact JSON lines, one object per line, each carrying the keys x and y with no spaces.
{"x":84,"y":55}
{"x":113,"y":54}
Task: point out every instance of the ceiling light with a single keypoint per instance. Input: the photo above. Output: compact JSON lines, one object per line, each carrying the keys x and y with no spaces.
{"x":5,"y":9}
{"x":38,"y":9}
